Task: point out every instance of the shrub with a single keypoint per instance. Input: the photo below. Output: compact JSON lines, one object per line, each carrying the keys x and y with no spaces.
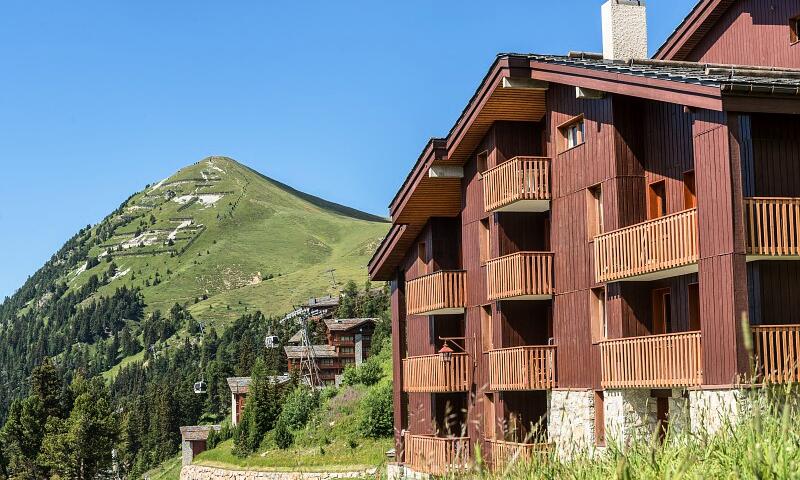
{"x":283,"y":437}
{"x":377,"y":417}
{"x":368,"y":373}
{"x":298,"y":406}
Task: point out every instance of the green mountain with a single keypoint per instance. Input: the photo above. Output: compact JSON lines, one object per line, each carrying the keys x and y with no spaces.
{"x":219,"y":231}
{"x":217,"y":238}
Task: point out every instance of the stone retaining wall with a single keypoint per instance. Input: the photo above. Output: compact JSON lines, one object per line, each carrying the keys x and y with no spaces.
{"x":198,"y":472}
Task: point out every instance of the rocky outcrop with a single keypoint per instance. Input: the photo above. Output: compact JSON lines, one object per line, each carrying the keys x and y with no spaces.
{"x":199,"y":472}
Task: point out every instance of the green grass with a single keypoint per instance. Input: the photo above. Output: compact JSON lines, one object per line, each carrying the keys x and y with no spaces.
{"x":169,"y":470}
{"x":337,"y":457}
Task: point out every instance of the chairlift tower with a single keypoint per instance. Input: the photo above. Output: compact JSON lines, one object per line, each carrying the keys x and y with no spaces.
{"x":308,"y":362}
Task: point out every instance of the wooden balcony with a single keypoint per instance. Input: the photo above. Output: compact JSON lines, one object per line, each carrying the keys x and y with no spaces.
{"x":777,"y":351}
{"x":436,"y":455}
{"x":520,"y":276}
{"x":522,"y":368}
{"x":660,"y":248}
{"x":654,"y":361}
{"x":773,"y":227}
{"x":439,"y":293}
{"x":506,"y":453}
{"x":430,"y":374}
{"x":521,"y":184}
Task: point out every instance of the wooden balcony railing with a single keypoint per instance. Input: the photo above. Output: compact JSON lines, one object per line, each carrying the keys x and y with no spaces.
{"x":660,"y":244}
{"x":522,"y":275}
{"x":654,"y":361}
{"x":777,"y":350}
{"x":436,"y":455}
{"x":521,"y":184}
{"x":442,"y":292}
{"x":773,"y":226}
{"x":429,"y":373}
{"x":522,"y":368}
{"x":504,"y":452}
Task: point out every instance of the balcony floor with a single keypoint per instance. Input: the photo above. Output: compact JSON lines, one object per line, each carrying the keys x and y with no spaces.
{"x":757,"y":258}
{"x":668,"y":273}
{"x":535,"y":206}
{"x":526,"y":297}
{"x":443,"y":311}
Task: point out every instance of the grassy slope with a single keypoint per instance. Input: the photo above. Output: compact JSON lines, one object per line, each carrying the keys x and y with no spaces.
{"x":330,"y":442}
{"x":259,"y":228}
{"x":169,"y":470}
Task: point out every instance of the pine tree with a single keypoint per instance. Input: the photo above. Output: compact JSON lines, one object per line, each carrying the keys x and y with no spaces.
{"x":46,"y":385}
{"x":80,"y":447}
{"x":260,"y":412}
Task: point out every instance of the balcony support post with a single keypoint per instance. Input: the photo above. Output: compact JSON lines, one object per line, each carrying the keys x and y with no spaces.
{"x":719,"y":140}
{"x":399,"y":347}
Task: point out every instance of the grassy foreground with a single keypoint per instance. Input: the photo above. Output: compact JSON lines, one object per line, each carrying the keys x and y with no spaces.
{"x":765,"y":444}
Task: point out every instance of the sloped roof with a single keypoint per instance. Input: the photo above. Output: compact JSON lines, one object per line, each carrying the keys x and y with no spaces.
{"x":692,"y":29}
{"x":344,"y":324}
{"x":321,"y":351}
{"x":323,"y":302}
{"x":197,"y":432}
{"x":242,"y":384}
{"x":297,"y":337}
{"x":239,"y":384}
{"x":739,"y":79}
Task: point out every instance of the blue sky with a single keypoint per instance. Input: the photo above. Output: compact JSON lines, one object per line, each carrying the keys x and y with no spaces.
{"x":99,"y":98}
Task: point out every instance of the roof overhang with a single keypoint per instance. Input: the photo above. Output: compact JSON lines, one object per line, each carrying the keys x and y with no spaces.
{"x":433,"y":189}
{"x":691,"y":95}
{"x":693,"y":28}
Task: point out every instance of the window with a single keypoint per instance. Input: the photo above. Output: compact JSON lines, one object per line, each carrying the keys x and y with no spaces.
{"x":345,"y":338}
{"x":689,"y":196}
{"x":694,"y":306}
{"x":594,"y":214}
{"x":656,"y":200}
{"x":487,"y":333}
{"x":326,"y":361}
{"x":599,"y":419}
{"x":484,"y":239}
{"x":483,"y":162}
{"x":662,"y":311}
{"x":573,"y":132}
{"x":599,"y":326}
{"x":347,"y":361}
{"x":422,"y":259}
{"x":347,"y":350}
{"x":794,"y":29}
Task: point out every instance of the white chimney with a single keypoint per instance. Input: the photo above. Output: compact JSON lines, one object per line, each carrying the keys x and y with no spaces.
{"x":624,"y":29}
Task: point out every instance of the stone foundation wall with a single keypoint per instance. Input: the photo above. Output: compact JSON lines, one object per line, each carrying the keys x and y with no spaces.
{"x":198,"y":472}
{"x":630,"y":415}
{"x":711,"y":410}
{"x":571,"y":421}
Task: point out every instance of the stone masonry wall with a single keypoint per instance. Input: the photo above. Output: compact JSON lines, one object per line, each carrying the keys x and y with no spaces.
{"x":198,"y":472}
{"x":571,"y":423}
{"x":630,"y":415}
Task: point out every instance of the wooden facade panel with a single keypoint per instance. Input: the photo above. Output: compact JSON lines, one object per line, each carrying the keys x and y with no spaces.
{"x":752,"y":32}
{"x":578,"y":364}
{"x":776,"y":154}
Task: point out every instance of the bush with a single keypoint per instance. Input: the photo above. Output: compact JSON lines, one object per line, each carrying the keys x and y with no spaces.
{"x":283,"y":437}
{"x":368,"y":373}
{"x":298,"y":406}
{"x":377,"y":418}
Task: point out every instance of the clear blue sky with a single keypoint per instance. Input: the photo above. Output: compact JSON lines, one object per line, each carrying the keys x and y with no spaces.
{"x":99,"y":97}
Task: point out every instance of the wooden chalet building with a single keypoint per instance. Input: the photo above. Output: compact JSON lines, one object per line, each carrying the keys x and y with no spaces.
{"x":601,"y":233}
{"x":348,"y":343}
